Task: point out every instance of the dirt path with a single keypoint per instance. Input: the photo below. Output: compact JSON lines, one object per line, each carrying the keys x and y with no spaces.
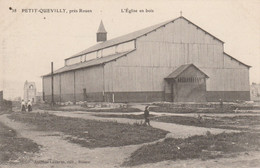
{"x":176,"y":130}
{"x":69,"y":155}
{"x":66,"y":154}
{"x":250,"y":159}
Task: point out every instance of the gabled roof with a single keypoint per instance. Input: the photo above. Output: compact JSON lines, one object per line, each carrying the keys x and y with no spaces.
{"x":132,"y":36}
{"x":101,"y":28}
{"x":177,"y":72}
{"x":90,"y":63}
{"x":248,"y":66}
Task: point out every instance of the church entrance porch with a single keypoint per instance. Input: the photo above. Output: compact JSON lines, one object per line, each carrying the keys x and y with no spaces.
{"x":186,"y":84}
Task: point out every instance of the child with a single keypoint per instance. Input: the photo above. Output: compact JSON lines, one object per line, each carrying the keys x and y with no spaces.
{"x":146,"y":116}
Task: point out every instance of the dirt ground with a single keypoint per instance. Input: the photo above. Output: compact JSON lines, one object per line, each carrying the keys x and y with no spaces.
{"x":176,"y":130}
{"x":58,"y":153}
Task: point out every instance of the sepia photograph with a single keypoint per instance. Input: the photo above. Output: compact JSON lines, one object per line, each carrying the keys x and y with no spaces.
{"x":127,"y":83}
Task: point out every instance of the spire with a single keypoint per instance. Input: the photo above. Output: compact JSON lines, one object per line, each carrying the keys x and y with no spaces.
{"x":101,"y":33}
{"x":101,"y":28}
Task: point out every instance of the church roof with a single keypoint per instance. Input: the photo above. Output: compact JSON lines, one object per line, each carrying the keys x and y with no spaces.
{"x":181,"y":69}
{"x":248,"y":66}
{"x":93,"y":62}
{"x":101,"y":28}
{"x":132,"y":36}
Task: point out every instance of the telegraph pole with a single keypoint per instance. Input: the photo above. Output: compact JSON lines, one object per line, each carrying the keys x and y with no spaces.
{"x":52,"y":95}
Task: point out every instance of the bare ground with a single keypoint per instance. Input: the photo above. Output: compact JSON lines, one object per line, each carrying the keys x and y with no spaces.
{"x":66,"y":154}
{"x":176,"y":130}
{"x":60,"y":153}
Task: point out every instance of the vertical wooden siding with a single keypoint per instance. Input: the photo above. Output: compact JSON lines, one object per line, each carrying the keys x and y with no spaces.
{"x":90,"y":79}
{"x":66,"y":89}
{"x":134,"y":78}
{"x":160,"y":52}
{"x":47,"y":85}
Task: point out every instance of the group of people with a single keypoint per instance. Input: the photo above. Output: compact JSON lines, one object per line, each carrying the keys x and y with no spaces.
{"x":26,"y":106}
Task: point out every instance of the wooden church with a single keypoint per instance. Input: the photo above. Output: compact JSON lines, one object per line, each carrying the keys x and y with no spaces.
{"x":174,"y":61}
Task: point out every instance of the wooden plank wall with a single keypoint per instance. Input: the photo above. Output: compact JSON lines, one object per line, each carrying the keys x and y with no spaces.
{"x":134,"y":78}
{"x":231,"y":63}
{"x":176,"y":44}
{"x":89,"y":78}
{"x":160,"y":52}
{"x":47,"y":85}
{"x":65,"y":89}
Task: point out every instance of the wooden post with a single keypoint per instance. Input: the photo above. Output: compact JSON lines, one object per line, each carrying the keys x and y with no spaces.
{"x":60,"y":87}
{"x":74,"y":87}
{"x":52,"y":95}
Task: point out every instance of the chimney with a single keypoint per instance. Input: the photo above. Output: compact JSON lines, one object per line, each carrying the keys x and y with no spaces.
{"x":101,"y":33}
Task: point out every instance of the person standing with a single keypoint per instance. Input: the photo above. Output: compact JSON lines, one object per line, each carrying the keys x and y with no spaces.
{"x":221,"y":104}
{"x":29,"y":106}
{"x":146,"y":116}
{"x":23,"y":106}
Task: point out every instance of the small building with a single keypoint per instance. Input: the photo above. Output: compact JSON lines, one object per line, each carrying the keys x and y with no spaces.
{"x":174,"y":60}
{"x":255,"y":91}
{"x":186,"y":84}
{"x":29,"y":91}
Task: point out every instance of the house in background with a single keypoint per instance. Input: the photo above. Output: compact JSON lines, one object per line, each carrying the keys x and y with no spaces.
{"x":172,"y":61}
{"x":255,"y":92}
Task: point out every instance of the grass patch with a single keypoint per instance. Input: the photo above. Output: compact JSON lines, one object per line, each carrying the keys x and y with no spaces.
{"x":86,"y":109}
{"x":120,"y":110}
{"x":13,"y":147}
{"x":172,"y":109}
{"x":203,"y":108}
{"x":91,"y":133}
{"x":202,"y":147}
{"x":237,"y":122}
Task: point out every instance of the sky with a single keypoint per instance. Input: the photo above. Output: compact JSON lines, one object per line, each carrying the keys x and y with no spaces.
{"x":30,"y":41}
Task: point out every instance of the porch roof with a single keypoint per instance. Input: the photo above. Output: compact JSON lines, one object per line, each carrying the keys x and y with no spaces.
{"x":177,"y":72}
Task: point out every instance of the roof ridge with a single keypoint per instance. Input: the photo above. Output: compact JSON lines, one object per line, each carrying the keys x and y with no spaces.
{"x":133,"y":35}
{"x":153,"y":27}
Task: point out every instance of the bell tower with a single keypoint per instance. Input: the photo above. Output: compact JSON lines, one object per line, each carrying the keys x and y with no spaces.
{"x":101,"y":33}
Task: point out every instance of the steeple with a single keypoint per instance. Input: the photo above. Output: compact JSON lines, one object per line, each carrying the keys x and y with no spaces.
{"x":101,"y":33}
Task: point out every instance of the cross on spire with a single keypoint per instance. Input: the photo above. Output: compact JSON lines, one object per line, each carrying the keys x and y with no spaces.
{"x":181,"y":13}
